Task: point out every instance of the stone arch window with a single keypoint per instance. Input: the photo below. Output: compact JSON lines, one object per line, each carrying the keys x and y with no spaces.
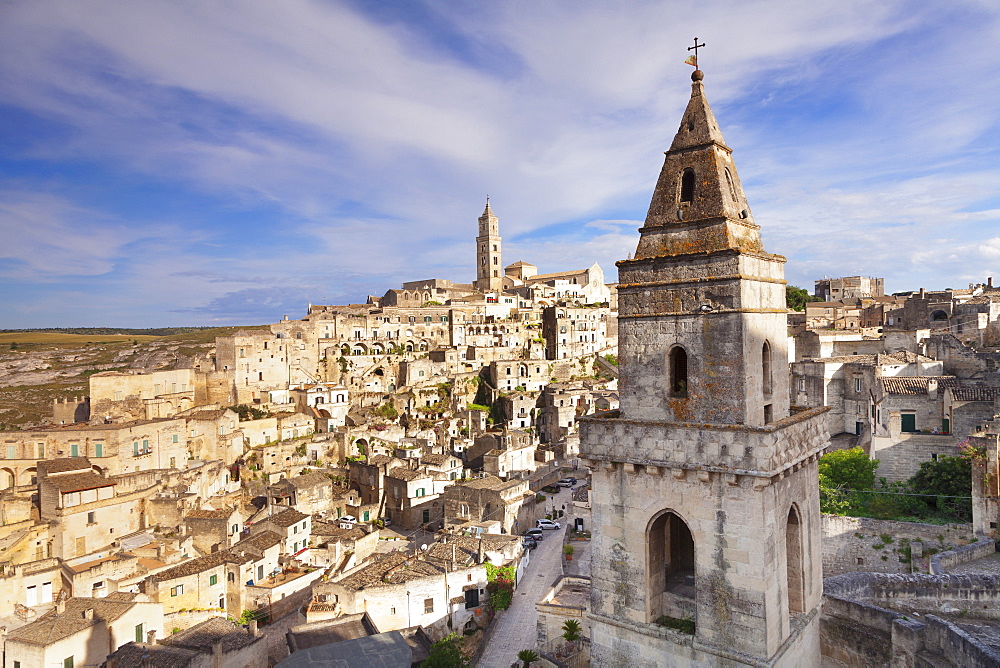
{"x":732,"y":186}
{"x":687,"y":185}
{"x":794,"y":565}
{"x":670,"y":564}
{"x":938,"y":316}
{"x":678,"y":363}
{"x":765,"y":368}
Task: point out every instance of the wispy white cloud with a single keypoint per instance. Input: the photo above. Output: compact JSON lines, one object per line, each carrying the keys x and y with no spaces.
{"x":360,"y":149}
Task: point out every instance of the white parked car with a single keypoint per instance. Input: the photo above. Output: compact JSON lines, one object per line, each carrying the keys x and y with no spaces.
{"x":547,"y":524}
{"x":347,"y":521}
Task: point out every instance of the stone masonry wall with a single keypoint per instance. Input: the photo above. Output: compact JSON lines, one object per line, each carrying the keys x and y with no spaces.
{"x":853,"y":544}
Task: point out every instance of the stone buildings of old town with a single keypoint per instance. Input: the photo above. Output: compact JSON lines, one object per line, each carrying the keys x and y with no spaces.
{"x":367,"y":465}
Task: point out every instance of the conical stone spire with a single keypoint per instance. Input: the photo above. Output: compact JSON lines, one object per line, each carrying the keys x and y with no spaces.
{"x":698,"y":125}
{"x":698,"y":204}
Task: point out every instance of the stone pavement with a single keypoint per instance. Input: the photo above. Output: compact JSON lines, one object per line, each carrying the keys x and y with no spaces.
{"x":517,"y":627}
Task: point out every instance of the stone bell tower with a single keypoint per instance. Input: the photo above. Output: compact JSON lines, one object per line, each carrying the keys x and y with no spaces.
{"x":489,"y":269}
{"x":705,"y":495}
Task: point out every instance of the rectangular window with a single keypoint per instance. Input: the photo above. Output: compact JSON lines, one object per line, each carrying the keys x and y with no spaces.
{"x":857,"y":384}
{"x":138,"y":633}
{"x":428,"y":605}
{"x":10,"y":452}
{"x":98,"y":449}
{"x":426,"y":516}
{"x":260,"y":572}
{"x":176,"y":438}
{"x":74,"y":450}
{"x":908,"y":422}
{"x":135,"y":448}
{"x":213,"y":580}
{"x":91,"y":517}
{"x":177,"y":591}
{"x":145,"y":445}
{"x":119,"y":395}
{"x":41,"y":451}
{"x":68,"y":662}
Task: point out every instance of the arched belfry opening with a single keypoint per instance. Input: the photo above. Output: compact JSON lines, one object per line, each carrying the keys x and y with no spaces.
{"x":678,"y":363}
{"x":765,"y":369}
{"x":671,"y":566}
{"x":687,"y":185}
{"x":793,"y":556}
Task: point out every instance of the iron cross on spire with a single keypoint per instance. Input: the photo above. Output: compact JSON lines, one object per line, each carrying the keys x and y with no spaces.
{"x":695,"y":49}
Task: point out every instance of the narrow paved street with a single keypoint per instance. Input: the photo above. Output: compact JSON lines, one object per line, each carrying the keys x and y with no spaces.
{"x":516,"y":630}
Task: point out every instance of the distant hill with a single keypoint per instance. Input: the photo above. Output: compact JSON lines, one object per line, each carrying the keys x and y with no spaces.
{"x":91,"y":331}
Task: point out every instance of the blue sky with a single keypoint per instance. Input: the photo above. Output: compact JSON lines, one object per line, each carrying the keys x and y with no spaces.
{"x":216,"y":162}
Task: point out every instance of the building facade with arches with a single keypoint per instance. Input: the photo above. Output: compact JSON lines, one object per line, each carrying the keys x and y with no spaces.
{"x":705,"y":501}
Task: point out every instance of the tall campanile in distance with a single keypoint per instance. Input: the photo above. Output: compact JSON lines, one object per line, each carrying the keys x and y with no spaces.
{"x":705,"y":496}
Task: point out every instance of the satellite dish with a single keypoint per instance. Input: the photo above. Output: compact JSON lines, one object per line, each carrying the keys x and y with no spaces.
{"x":423,"y":548}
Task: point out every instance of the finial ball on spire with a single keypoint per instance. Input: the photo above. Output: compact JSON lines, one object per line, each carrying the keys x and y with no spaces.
{"x":697,"y":75}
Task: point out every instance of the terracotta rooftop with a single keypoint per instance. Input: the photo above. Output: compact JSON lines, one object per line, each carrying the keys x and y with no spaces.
{"x":200,"y":565}
{"x":335,"y":532}
{"x":203,"y":636}
{"x":409,"y":475}
{"x":489,"y":482}
{"x":210,"y":514}
{"x":161,"y":656}
{"x":63,"y":465}
{"x":258,"y":542}
{"x":976,"y":393}
{"x":76,"y":482}
{"x":491,"y":541}
{"x":285,"y":518}
{"x":389,"y":569}
{"x":307,"y":480}
{"x":53,"y":626}
{"x":435,"y":460}
{"x":207,"y":415}
{"x":915,"y":384}
{"x":379,"y":460}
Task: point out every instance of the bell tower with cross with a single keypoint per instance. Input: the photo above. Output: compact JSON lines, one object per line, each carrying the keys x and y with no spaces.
{"x":489,"y":270}
{"x":706,"y":522}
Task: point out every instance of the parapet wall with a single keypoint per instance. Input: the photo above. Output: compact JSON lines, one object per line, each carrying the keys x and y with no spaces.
{"x":944,"y":562}
{"x":863,"y":544}
{"x":855,"y":630}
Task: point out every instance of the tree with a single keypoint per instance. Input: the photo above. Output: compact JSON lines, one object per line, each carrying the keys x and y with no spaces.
{"x":527,"y":657}
{"x":446,"y":653}
{"x":946,"y":478}
{"x":571,"y":630}
{"x":797,"y":298}
{"x":847,"y":469}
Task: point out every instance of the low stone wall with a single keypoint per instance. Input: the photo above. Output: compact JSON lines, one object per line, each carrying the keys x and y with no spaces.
{"x":945,"y":561}
{"x":852,"y":544}
{"x":854,"y":631}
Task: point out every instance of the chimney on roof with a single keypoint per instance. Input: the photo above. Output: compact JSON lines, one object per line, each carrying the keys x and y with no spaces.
{"x":151,"y":636}
{"x":60,"y":607}
{"x":932,"y":388}
{"x":253,"y":628}
{"x":989,"y":282}
{"x":922,"y":293}
{"x":88,"y":613}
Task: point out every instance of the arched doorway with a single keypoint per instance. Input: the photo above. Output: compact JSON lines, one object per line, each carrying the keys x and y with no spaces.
{"x":670,"y":566}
